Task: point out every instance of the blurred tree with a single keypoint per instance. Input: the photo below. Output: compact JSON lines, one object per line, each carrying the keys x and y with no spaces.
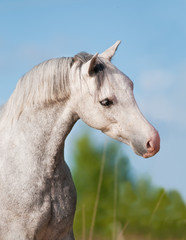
{"x":123,"y":200}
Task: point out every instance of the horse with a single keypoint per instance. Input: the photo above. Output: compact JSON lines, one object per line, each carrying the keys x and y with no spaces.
{"x":37,"y":193}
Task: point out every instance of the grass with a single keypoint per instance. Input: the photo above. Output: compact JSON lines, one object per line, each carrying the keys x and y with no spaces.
{"x":98,"y":194}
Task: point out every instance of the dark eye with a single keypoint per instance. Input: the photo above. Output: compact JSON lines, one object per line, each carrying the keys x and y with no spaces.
{"x":106,"y":102}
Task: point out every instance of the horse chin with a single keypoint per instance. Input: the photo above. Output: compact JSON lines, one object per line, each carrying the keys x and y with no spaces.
{"x":137,"y":148}
{"x":137,"y":152}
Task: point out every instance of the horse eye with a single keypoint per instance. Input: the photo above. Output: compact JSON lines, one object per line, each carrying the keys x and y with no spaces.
{"x":106,"y":102}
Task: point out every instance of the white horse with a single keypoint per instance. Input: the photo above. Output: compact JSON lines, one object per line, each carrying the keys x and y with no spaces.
{"x":37,"y":193}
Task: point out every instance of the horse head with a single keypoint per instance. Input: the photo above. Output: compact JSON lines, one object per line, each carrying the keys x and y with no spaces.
{"x":106,"y":102}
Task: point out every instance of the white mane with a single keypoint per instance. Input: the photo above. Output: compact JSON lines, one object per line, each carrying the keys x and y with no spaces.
{"x":46,"y":83}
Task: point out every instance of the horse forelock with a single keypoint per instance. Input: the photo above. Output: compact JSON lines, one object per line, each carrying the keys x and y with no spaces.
{"x":83,"y":57}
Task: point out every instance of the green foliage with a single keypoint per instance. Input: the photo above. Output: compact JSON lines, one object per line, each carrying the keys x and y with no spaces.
{"x":123,"y":201}
{"x":86,"y":175}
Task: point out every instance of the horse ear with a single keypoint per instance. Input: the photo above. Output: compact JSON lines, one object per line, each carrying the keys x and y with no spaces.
{"x":109,"y":53}
{"x":90,"y":65}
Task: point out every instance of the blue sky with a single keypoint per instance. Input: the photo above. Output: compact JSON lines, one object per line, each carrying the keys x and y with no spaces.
{"x":152,"y":54}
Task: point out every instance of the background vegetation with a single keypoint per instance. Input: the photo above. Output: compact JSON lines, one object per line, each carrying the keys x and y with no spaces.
{"x":113,"y":204}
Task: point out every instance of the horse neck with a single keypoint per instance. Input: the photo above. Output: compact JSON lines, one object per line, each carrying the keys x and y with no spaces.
{"x":46,"y":129}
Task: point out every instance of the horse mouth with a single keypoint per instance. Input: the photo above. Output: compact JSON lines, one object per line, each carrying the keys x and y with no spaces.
{"x":148,"y":154}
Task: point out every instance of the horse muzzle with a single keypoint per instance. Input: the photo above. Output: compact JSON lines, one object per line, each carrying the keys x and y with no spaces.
{"x":152,"y":145}
{"x":148,"y":148}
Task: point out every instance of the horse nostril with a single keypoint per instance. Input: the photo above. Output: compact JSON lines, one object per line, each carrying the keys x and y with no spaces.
{"x":152,"y":145}
{"x":148,"y":145}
